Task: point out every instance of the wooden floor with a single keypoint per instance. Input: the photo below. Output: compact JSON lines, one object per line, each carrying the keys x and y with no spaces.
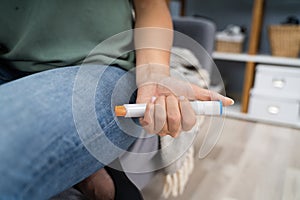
{"x":251,"y":161}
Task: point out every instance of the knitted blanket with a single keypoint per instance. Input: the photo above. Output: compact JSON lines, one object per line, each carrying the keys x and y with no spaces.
{"x":180,"y":151}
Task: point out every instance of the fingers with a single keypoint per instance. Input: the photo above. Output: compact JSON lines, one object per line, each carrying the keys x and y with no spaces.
{"x":147,"y":122}
{"x":208,"y":95}
{"x":154,"y":120}
{"x":188,"y":116}
{"x":160,"y":125}
{"x":173,"y":115}
{"x":190,"y":91}
{"x":168,"y":116}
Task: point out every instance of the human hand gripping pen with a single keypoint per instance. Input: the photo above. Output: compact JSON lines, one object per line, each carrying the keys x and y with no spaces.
{"x":200,"y":108}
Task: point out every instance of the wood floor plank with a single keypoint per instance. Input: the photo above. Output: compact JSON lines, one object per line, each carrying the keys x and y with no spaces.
{"x":251,"y":161}
{"x":292,"y":185}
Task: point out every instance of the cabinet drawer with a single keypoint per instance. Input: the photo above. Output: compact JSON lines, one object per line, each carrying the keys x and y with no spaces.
{"x":279,"y":110}
{"x":277,"y":79}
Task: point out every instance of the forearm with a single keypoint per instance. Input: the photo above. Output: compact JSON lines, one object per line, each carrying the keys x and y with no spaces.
{"x":153,"y":34}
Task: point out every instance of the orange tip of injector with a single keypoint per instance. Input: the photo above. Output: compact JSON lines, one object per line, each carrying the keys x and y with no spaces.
{"x":120,"y":111}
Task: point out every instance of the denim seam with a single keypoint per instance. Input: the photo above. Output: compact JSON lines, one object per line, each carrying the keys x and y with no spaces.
{"x":95,"y":136}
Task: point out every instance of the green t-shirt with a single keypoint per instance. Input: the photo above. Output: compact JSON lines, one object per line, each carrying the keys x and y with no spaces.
{"x":37,"y":35}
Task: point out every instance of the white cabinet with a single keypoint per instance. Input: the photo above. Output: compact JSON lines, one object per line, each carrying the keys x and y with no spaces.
{"x":283,"y":80}
{"x":276,"y":94}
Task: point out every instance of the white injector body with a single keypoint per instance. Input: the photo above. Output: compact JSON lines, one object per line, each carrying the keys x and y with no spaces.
{"x":200,"y":108}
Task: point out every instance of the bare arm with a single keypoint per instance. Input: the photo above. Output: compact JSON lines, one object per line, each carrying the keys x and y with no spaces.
{"x":154,"y":14}
{"x":171,"y":111}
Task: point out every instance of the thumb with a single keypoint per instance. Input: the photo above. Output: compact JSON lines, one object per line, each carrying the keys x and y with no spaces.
{"x":208,"y":95}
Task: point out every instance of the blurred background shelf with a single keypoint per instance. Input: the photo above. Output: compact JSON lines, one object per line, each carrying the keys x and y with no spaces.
{"x":238,"y":71}
{"x":265,"y":59}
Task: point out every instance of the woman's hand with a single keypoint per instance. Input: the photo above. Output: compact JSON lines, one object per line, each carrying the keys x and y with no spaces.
{"x":171,"y":111}
{"x":168,"y":108}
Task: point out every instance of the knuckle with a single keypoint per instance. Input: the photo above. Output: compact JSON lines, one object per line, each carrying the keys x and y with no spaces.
{"x":188,"y":127}
{"x":160,"y":98}
{"x":143,"y":122}
{"x":171,"y":98}
{"x":174,"y":134}
{"x":175,"y":131}
{"x":174,"y":118}
{"x":162,"y":134}
{"x":188,"y":124}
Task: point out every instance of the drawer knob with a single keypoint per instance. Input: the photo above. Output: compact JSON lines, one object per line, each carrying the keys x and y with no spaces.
{"x":278,"y":83}
{"x":273,"y":110}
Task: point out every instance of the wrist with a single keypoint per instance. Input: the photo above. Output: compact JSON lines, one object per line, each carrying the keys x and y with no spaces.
{"x":151,"y":72}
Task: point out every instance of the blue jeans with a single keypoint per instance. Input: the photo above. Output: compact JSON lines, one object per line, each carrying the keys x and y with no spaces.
{"x":41,"y":153}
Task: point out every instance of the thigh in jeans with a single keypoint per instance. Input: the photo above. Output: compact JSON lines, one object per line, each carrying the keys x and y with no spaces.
{"x":41,"y":152}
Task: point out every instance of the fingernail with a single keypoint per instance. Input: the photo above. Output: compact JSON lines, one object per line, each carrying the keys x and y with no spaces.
{"x":153,"y":99}
{"x":231,"y":100}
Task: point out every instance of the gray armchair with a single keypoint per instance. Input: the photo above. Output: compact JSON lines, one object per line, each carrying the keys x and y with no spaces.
{"x":202,"y":30}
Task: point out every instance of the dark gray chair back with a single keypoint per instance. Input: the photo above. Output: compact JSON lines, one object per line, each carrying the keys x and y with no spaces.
{"x":201,"y":30}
